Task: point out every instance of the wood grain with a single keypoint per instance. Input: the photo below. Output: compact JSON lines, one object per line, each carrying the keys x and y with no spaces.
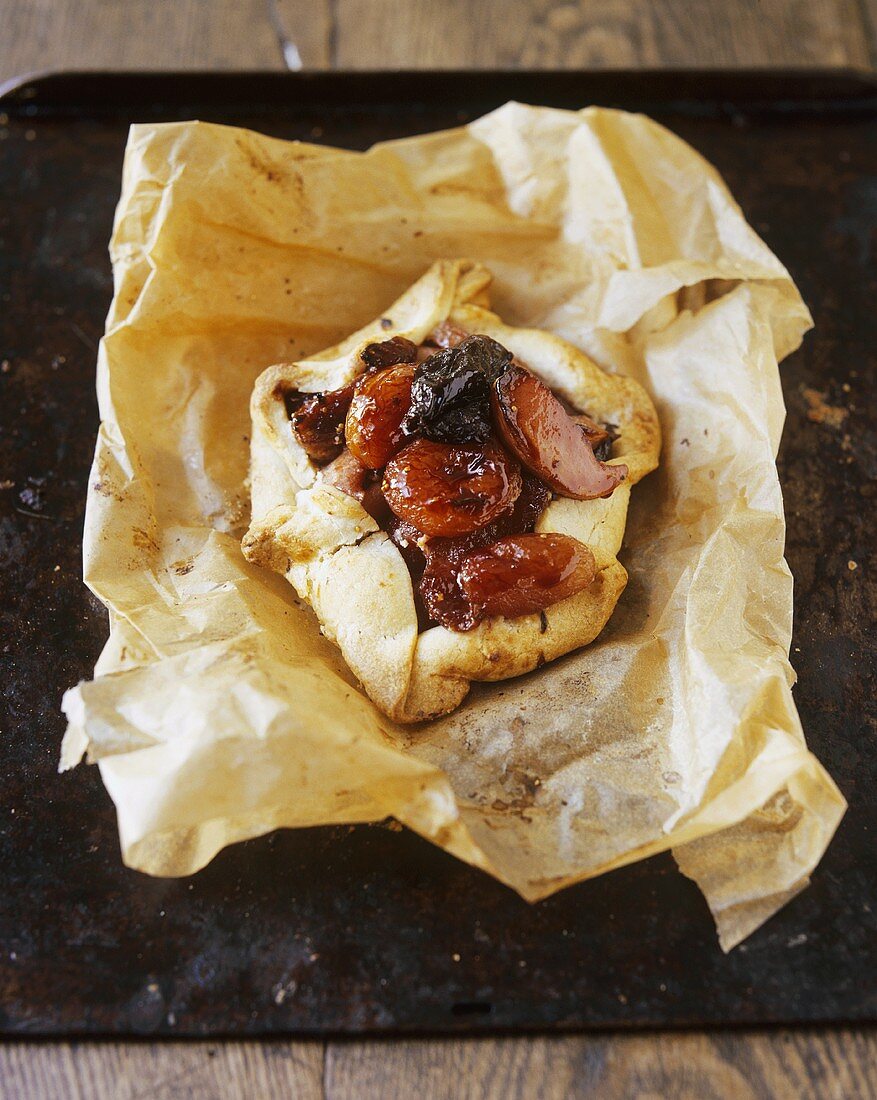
{"x":136,"y":34}
{"x":805,"y":1065}
{"x":599,"y":33}
{"x":238,"y":34}
{"x":160,"y":1071}
{"x":869,"y":23}
{"x":361,"y":34}
{"x":798,"y":1065}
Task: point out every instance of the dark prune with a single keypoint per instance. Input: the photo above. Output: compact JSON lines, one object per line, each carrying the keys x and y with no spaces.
{"x":537,"y":429}
{"x":318,"y":420}
{"x":450,"y":395}
{"x":388,"y":353}
{"x":524,"y":573}
{"x":445,"y":490}
{"x":487,"y":354}
{"x":380,"y":401}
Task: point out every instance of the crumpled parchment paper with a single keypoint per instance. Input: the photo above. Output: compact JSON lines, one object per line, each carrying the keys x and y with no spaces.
{"x":218,"y":712}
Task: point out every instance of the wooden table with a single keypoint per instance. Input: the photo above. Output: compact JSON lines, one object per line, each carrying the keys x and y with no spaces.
{"x":363,"y":34}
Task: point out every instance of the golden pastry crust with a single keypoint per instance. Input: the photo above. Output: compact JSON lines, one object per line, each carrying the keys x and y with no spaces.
{"x":338,"y":559}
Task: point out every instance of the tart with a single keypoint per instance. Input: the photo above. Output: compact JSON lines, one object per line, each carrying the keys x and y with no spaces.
{"x":447,"y":492}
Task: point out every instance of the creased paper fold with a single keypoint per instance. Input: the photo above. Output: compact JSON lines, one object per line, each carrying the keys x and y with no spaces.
{"x":218,"y":712}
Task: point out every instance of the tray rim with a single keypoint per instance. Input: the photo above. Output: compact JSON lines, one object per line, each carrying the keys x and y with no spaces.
{"x":848,"y":79}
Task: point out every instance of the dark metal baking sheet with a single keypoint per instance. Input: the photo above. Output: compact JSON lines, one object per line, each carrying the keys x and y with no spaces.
{"x":369,"y":929}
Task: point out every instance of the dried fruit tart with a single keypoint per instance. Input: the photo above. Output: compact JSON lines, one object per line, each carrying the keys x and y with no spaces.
{"x":448,"y":493}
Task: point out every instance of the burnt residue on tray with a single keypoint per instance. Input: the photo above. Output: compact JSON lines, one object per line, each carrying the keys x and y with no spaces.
{"x":371,"y":928}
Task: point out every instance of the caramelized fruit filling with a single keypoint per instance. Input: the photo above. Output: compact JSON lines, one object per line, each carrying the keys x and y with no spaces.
{"x":436,"y":439}
{"x":318,"y":420}
{"x":349,"y":475}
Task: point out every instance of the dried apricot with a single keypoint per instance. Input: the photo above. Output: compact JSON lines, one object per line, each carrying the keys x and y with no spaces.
{"x":517,"y":520}
{"x":373,"y":426}
{"x":521,"y":574}
{"x":450,"y":490}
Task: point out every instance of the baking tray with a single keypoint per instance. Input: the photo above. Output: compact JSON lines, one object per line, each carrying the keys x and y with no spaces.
{"x":371,"y":929}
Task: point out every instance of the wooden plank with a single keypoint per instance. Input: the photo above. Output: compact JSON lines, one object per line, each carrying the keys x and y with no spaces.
{"x":136,"y":34}
{"x":160,"y":1071}
{"x":309,"y":27}
{"x":598,"y":33}
{"x":191,"y":34}
{"x":869,"y":21}
{"x":798,"y":1065}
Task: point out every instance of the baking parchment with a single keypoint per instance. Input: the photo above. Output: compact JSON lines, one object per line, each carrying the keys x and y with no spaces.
{"x":218,"y":712}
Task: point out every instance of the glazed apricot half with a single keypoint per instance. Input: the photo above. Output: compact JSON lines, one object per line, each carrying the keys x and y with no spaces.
{"x":374,"y":420}
{"x":444,"y":489}
{"x":520,"y":574}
